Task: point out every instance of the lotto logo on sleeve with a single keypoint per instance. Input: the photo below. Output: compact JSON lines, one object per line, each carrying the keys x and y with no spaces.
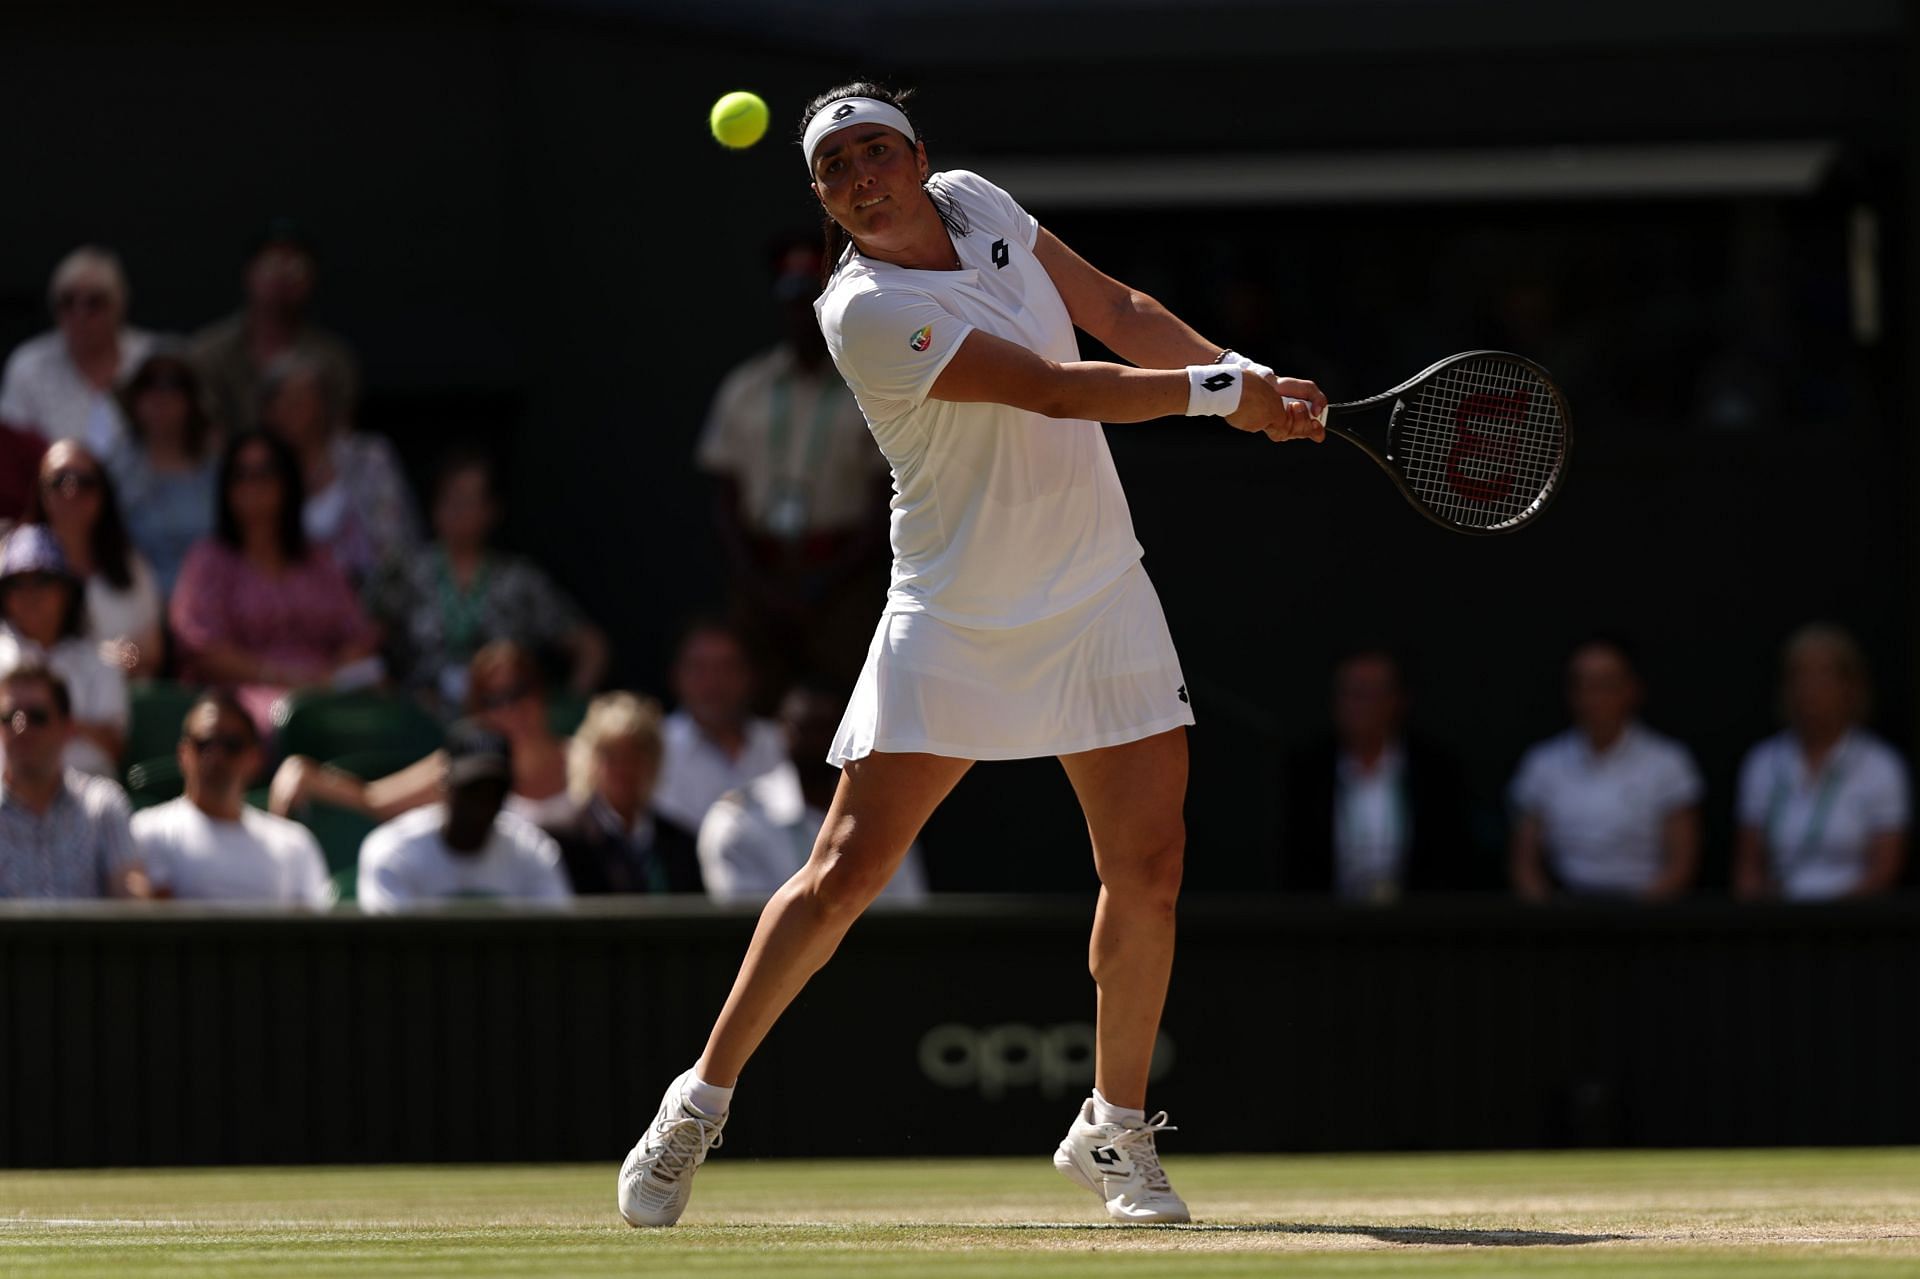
{"x":922,"y":340}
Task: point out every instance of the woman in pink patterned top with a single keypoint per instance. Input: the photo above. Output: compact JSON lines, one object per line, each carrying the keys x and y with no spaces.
{"x":256,"y":607}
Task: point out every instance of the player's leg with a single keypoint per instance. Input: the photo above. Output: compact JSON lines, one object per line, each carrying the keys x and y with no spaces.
{"x":881,"y":804}
{"x":1133,"y":795}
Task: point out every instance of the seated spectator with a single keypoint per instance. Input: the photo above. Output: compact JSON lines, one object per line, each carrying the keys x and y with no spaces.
{"x":439,"y":608}
{"x":757,"y":837}
{"x":1369,"y":814}
{"x":76,"y":500}
{"x":358,"y":505}
{"x":613,"y":841}
{"x":714,"y":744}
{"x":209,"y":845}
{"x":63,"y":833}
{"x":56,"y":383}
{"x":504,"y":694}
{"x":1609,"y":808}
{"x":257,"y":608}
{"x":278,"y":280}
{"x":466,"y":846}
{"x":1824,"y":805}
{"x":41,"y":621}
{"x":163,"y":468}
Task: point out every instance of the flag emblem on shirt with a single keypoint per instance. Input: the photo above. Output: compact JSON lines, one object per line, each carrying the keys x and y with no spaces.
{"x":921,"y":340}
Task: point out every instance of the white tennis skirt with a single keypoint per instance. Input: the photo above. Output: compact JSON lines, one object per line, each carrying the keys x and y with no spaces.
{"x":1102,"y":673}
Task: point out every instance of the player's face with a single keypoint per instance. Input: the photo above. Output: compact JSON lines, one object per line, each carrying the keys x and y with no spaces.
{"x":869,"y":180}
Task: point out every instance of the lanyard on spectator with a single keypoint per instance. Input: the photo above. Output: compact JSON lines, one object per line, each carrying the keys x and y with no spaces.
{"x":780,"y":424}
{"x":1816,"y":820}
{"x":460,"y":610}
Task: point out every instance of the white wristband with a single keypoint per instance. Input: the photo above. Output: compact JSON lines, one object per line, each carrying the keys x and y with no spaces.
{"x":1213,"y":390}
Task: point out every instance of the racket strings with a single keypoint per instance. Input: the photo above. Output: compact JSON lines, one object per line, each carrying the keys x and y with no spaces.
{"x":1481,"y":442}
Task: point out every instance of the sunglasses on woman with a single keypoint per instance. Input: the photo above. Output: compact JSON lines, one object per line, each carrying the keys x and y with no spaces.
{"x":72,"y":483}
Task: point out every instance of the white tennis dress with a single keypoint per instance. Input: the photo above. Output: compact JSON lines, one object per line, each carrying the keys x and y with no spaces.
{"x":1019,"y":622}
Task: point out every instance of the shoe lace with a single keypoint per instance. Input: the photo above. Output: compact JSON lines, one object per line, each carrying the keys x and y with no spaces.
{"x":681,"y":1144}
{"x":1138,"y":1143}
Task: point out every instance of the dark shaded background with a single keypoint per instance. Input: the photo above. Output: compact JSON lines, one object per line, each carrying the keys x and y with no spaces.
{"x":531,"y":240}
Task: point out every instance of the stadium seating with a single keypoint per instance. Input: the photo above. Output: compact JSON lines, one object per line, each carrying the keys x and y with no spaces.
{"x":329,"y":725}
{"x":157,"y":779}
{"x":155,"y":709}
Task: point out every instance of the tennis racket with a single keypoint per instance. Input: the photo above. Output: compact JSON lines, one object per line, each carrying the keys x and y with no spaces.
{"x":1477,"y":443}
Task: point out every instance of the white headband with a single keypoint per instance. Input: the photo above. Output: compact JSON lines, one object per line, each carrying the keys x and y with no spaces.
{"x":847,"y":112}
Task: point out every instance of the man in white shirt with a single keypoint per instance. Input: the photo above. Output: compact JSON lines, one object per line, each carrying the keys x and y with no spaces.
{"x":467,"y":846}
{"x":755,"y":838}
{"x":210,"y":844}
{"x":57,"y":382}
{"x":713,"y":743}
{"x":1608,"y":808}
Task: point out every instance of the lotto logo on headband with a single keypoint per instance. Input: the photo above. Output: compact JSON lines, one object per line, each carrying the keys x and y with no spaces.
{"x":921,"y":340}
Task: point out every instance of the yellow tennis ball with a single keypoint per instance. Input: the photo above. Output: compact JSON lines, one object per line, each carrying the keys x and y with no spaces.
{"x":739,"y":119}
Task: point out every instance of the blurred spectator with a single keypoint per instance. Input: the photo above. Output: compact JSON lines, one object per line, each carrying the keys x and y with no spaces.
{"x":41,"y":622}
{"x":802,"y":491}
{"x":467,"y":846}
{"x":1823,"y":806}
{"x":210,"y":844}
{"x":713,"y":743}
{"x":357,"y":502}
{"x":63,"y":833}
{"x":57,"y":382}
{"x":439,"y":608}
{"x":77,"y":501}
{"x":232,"y":353}
{"x":256,"y":607}
{"x":756,"y":837}
{"x":1609,"y":808}
{"x":504,"y":695}
{"x":1370,"y":814}
{"x":163,"y":468}
{"x":613,"y":841}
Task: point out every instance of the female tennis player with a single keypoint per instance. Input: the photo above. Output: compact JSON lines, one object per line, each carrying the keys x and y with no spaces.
{"x":1019,"y":622}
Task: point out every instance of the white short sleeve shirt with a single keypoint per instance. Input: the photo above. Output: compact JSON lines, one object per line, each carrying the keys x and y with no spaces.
{"x":694,"y":771}
{"x":1601,"y":815}
{"x":43,"y":389}
{"x":406,"y":862}
{"x":260,"y":858}
{"x":1001,"y":517}
{"x":755,"y":838}
{"x":1818,"y":826}
{"x":796,"y":444}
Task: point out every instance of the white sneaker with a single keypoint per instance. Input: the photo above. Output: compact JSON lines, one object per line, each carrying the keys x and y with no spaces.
{"x":657,"y":1177}
{"x":1118,"y":1163}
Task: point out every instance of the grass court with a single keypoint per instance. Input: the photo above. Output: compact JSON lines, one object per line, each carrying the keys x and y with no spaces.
{"x":1641,"y":1214}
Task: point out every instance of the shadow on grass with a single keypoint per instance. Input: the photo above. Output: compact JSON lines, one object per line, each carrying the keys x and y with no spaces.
{"x":1385,"y":1234}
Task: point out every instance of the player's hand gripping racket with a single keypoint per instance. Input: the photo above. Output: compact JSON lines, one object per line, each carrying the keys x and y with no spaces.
{"x":1478,"y":442}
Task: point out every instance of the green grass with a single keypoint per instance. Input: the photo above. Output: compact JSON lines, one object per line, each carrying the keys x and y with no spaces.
{"x":1638,"y":1214}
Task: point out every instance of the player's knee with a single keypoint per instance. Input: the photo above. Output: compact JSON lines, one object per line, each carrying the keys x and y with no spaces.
{"x":1148,"y":874}
{"x":847,"y":876}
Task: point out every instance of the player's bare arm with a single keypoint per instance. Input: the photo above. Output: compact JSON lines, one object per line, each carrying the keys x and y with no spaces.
{"x":991,"y":370}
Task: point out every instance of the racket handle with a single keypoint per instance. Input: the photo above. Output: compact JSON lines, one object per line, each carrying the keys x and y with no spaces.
{"x":1320,"y":417}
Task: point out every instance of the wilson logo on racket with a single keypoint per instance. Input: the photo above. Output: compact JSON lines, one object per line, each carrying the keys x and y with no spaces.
{"x":1480,"y":463}
{"x":921,"y":340}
